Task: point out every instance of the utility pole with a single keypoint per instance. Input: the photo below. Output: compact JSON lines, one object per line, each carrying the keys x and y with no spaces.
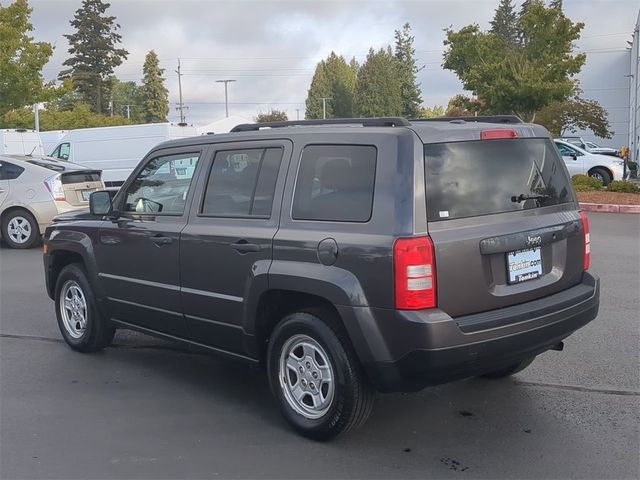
{"x":181,"y":108}
{"x":324,"y":106}
{"x":36,"y":114}
{"x":297,"y":114}
{"x":226,"y":96}
{"x":128,"y":107}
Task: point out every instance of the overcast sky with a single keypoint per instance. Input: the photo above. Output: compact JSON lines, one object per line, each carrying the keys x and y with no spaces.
{"x":272,"y":47}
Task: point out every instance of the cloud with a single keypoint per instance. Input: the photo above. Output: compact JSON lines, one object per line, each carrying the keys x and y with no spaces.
{"x":271,"y":47}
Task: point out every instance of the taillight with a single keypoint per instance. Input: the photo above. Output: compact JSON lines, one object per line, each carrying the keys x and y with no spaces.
{"x":587,"y":240}
{"x":54,"y":185}
{"x":495,"y":134}
{"x":415,"y":273}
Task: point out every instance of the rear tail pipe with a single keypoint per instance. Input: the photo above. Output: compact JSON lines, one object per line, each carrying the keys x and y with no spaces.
{"x":558,"y":347}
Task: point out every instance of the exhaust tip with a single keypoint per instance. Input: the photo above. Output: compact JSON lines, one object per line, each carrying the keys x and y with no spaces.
{"x":558,"y":347}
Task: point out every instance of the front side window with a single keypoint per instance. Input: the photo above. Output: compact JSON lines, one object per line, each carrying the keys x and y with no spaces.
{"x":568,"y":151}
{"x":242,"y":183}
{"x":9,"y":171}
{"x":162,"y":185}
{"x":62,"y":151}
{"x":335,"y":183}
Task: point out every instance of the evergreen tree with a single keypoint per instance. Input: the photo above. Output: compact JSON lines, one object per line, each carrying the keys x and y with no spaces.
{"x":379,"y":88}
{"x":505,"y":22}
{"x":155,"y":97}
{"x":318,"y":89}
{"x":94,"y":54}
{"x":21,"y":59}
{"x":407,"y":69}
{"x":334,"y":78}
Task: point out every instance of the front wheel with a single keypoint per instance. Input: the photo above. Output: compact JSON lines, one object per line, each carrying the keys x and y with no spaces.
{"x":316,"y":378}
{"x":82,"y":325}
{"x":601,"y":175}
{"x":510,"y":369}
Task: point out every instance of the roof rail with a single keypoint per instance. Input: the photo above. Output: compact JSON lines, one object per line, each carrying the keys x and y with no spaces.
{"x":480,"y":118}
{"x":365,"y":122}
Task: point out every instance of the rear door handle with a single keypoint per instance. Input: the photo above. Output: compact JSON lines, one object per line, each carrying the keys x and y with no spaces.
{"x":160,"y":240}
{"x":243,"y":246}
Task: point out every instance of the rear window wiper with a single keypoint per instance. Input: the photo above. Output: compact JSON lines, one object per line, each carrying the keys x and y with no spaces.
{"x":523,"y":197}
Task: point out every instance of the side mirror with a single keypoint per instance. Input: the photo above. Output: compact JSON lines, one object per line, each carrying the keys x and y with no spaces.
{"x":574,"y":156}
{"x":100,"y":203}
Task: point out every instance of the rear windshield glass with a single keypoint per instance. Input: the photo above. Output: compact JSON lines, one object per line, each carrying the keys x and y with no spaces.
{"x":467,"y":179}
{"x":55,"y":166}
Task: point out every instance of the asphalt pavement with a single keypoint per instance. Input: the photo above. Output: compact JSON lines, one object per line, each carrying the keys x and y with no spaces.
{"x":146,"y":409}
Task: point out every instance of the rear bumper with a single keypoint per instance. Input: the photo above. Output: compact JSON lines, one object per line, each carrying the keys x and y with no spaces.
{"x":407,"y":351}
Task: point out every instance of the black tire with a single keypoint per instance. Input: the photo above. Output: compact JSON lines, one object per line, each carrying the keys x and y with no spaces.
{"x":511,"y":369}
{"x":20,"y":215}
{"x":601,"y":174}
{"x":352,"y":399}
{"x":97,"y":333}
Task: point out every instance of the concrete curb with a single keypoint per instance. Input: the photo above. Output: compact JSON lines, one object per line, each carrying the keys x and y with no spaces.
{"x":600,"y":207}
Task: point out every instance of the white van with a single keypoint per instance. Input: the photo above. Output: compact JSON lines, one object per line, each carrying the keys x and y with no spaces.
{"x":51,"y":139}
{"x":116,"y":150}
{"x":20,"y":141}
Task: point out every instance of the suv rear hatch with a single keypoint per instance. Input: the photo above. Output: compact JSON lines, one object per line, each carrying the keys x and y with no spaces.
{"x":502,"y":217}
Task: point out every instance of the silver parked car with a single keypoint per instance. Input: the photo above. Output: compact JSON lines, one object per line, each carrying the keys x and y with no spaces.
{"x":34,"y":189}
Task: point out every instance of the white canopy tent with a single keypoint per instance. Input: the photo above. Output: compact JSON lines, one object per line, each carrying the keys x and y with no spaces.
{"x":223,"y":125}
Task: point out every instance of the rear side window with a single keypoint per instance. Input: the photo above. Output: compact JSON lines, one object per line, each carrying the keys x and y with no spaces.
{"x":335,"y":183}
{"x":242,"y":183}
{"x":468,"y":179}
{"x":9,"y":171}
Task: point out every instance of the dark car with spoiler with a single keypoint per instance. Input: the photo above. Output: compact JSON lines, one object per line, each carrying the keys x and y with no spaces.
{"x":345,"y":256}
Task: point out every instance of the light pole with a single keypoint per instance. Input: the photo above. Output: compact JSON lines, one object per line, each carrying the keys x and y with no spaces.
{"x":226,"y":96}
{"x":324,"y":106}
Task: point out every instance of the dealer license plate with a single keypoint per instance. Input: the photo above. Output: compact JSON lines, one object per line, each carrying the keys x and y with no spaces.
{"x":523,"y":265}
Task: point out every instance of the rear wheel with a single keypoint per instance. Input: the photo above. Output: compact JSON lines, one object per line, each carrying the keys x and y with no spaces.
{"x":511,"y":369}
{"x":82,"y":325}
{"x":316,"y":377}
{"x":20,"y":229}
{"x":601,"y":175}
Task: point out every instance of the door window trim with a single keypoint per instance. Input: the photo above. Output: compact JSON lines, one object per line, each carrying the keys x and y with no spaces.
{"x":233,"y":147}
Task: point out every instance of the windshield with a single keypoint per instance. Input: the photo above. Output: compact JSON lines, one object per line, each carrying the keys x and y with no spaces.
{"x":466,"y":179}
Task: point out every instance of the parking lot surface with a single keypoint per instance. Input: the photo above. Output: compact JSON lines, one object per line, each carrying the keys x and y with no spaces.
{"x":146,"y":409}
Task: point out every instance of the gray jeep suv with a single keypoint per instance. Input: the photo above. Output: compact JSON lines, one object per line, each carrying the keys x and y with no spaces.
{"x":346,"y":256}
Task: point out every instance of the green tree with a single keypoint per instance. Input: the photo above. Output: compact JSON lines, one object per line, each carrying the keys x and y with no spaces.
{"x":573,"y":115}
{"x":272,"y":115}
{"x":94,"y":54}
{"x":334,"y":79}
{"x":525,"y":78}
{"x":505,"y":22}
{"x":155,"y":96}
{"x":431,"y":112}
{"x":463,"y":106}
{"x":379,"y":88}
{"x":127,"y":100}
{"x":407,"y":68}
{"x":556,"y":4}
{"x":21,"y":59}
{"x":79,"y":116}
